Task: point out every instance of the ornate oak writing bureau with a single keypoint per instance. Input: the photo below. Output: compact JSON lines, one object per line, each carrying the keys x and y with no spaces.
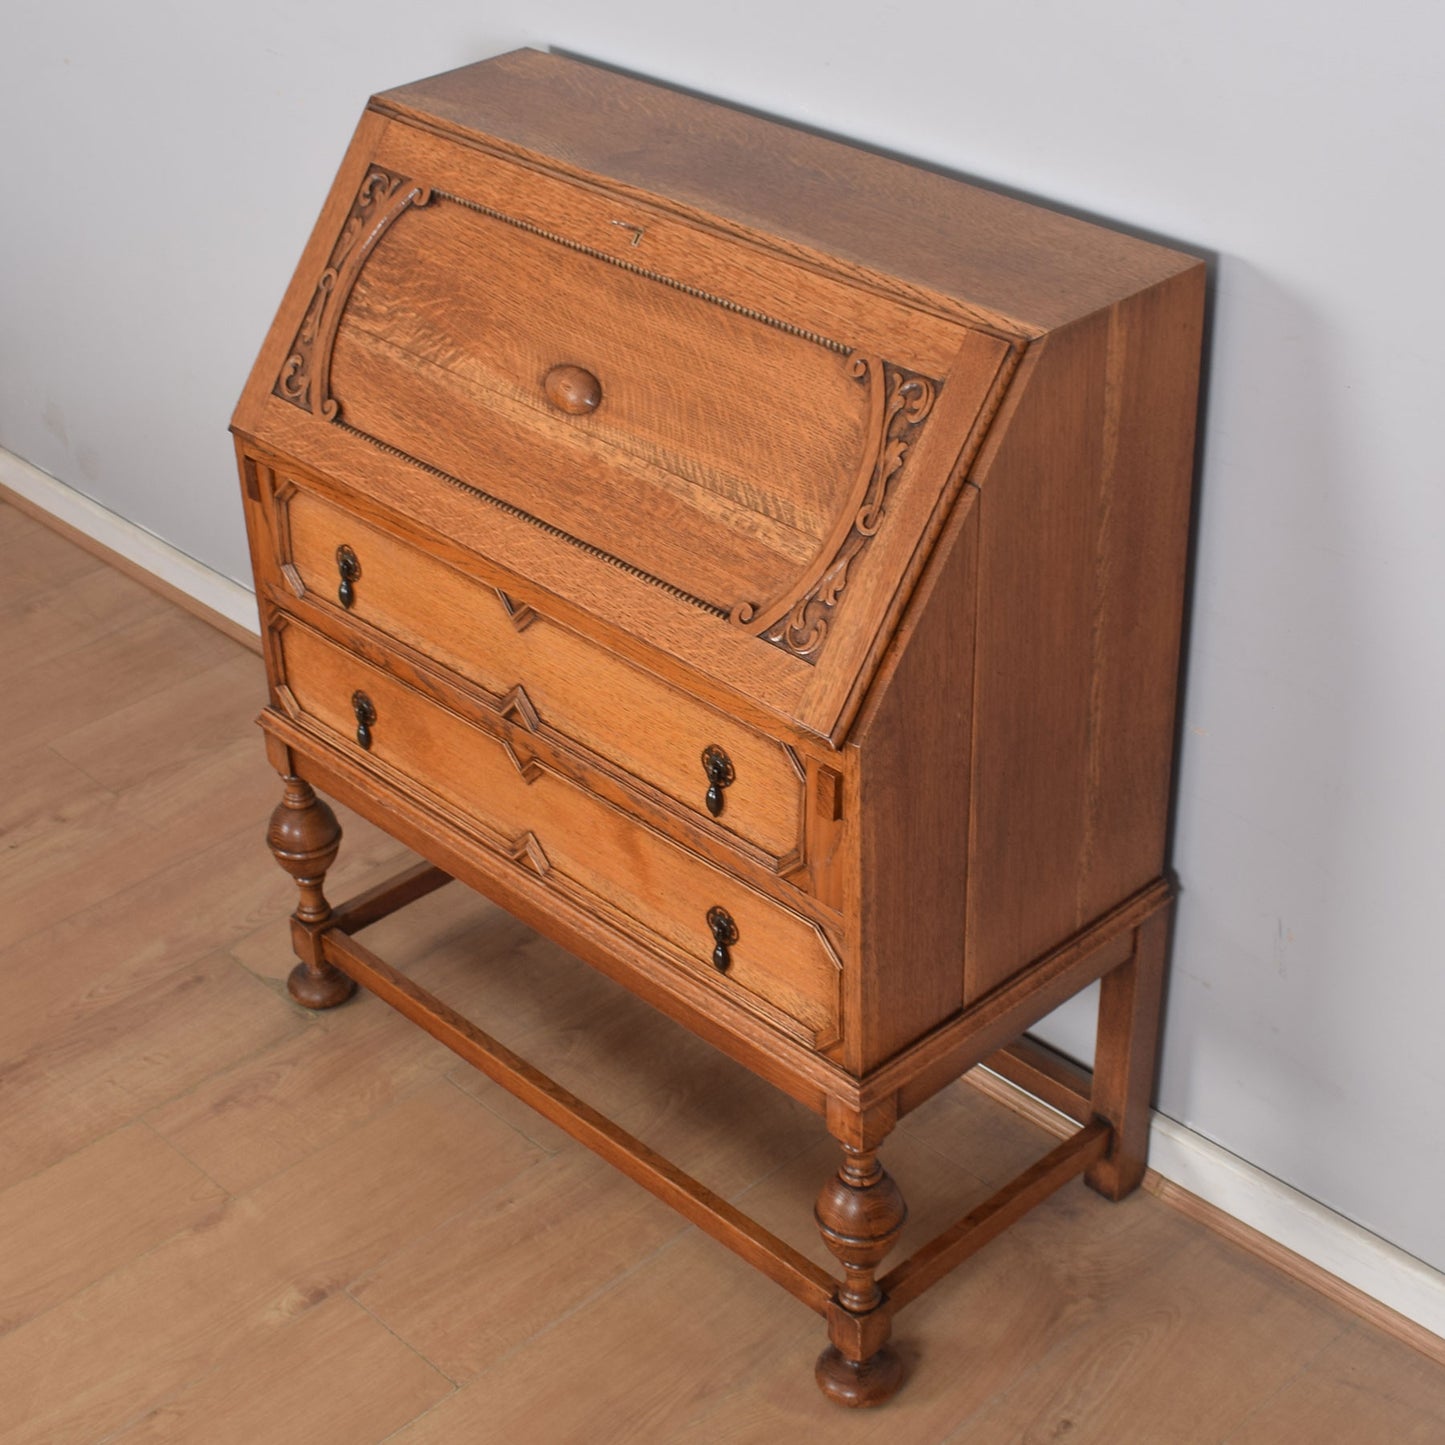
{"x":757,"y":564}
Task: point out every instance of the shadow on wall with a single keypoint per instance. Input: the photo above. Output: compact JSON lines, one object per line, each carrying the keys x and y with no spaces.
{"x":1266,"y":1015}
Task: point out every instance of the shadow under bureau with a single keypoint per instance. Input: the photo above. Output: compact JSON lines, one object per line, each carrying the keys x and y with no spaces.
{"x":757,"y":564}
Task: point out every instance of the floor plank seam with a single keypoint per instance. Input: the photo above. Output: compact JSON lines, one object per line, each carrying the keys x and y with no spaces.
{"x":161,"y":767}
{"x":550,"y":1151}
{"x":66,"y":1158}
{"x":144,"y":1122}
{"x":415,"y":1420}
{"x":152,"y":1407}
{"x":1090,"y":1318}
{"x":1106,"y":1348}
{"x":239,"y":1062}
{"x":576,"y":1306}
{"x":401,"y":1339}
{"x":223,"y":1206}
{"x":107,"y":904}
{"x":921,"y":1142}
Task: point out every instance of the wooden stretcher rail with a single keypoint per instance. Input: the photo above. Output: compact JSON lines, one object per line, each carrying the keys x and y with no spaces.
{"x":803,"y":1279}
{"x":1032,"y":1065}
{"x":906,"y":1281}
{"x":1037,"y":1069}
{"x":385,"y":898}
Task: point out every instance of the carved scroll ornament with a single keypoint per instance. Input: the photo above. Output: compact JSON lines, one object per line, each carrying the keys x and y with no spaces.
{"x":797,"y":621}
{"x":305,"y":377}
{"x":899,"y":402}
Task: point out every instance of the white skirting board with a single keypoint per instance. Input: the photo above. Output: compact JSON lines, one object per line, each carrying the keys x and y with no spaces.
{"x":1272,"y":1208}
{"x":1231,"y":1184}
{"x":234,"y":602}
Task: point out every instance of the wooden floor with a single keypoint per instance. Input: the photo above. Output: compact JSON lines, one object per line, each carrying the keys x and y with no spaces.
{"x":223,"y":1219}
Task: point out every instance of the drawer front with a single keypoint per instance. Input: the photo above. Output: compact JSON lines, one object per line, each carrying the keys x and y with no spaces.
{"x":778,"y":964}
{"x":650,"y":730}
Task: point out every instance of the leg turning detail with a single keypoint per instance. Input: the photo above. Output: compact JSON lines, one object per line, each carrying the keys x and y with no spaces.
{"x":860,"y":1213}
{"x":304,"y":836}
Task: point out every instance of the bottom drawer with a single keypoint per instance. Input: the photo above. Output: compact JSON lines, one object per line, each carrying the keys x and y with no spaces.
{"x":778,"y":963}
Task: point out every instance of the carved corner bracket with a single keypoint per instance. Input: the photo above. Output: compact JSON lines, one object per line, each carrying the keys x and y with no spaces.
{"x":899,"y":402}
{"x":305,"y":377}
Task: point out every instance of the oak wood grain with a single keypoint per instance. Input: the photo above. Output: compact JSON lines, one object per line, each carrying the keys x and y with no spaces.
{"x":550,"y":459}
{"x":833,"y":203}
{"x":759,"y":276}
{"x":658,"y":353}
{"x":1083,"y":514}
{"x":233,"y":1323}
{"x":912,"y":836}
{"x":535,"y":818}
{"x":654,"y":730}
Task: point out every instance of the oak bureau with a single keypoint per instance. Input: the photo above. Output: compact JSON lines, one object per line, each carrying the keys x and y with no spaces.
{"x":758,"y":565}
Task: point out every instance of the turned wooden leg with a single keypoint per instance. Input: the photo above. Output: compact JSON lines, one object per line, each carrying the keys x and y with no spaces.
{"x":304,"y":835}
{"x":1124,"y":1057}
{"x":860,"y":1213}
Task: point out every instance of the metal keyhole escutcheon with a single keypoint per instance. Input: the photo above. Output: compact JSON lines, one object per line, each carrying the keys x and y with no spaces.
{"x":724,"y":935}
{"x":719,"y":769}
{"x":365,"y":712}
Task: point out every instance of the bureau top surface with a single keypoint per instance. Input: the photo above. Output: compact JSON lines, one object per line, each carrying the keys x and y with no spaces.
{"x":705,"y":381}
{"x":1028,"y":267}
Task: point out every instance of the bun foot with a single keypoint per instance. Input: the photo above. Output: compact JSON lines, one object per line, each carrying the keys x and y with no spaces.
{"x":319,"y":990}
{"x":859,"y":1384}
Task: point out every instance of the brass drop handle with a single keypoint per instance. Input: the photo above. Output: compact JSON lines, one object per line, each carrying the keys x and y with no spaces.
{"x":349,"y":569}
{"x":572,"y":389}
{"x":719,"y":769}
{"x":365,"y":711}
{"x":724,"y":935}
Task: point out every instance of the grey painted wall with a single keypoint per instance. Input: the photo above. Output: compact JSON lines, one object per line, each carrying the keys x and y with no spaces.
{"x":162,"y":164}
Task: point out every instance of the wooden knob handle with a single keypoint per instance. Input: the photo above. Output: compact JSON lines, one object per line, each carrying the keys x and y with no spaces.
{"x":572,"y":389}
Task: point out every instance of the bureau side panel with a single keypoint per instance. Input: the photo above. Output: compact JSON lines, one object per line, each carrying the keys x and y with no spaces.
{"x":1083,"y":510}
{"x":910,"y":757}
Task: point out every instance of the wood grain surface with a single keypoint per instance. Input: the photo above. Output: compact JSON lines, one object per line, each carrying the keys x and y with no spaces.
{"x":237,"y":1222}
{"x":838,"y":205}
{"x":582,"y":464}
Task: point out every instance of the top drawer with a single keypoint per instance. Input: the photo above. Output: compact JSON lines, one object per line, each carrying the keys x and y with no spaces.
{"x":544,"y":674}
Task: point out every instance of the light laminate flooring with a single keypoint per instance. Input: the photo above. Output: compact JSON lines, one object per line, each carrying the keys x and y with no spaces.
{"x":224,"y":1219}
